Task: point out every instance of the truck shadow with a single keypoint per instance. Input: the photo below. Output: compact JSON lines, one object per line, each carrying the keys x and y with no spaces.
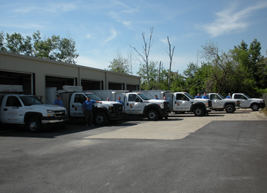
{"x":52,"y":132}
{"x":192,"y":115}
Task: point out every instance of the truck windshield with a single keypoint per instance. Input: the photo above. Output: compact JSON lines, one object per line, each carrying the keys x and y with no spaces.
{"x":30,"y":100}
{"x":144,"y":97}
{"x":246,"y":96}
{"x":221,"y":96}
{"x":93,"y":97}
{"x":188,"y":95}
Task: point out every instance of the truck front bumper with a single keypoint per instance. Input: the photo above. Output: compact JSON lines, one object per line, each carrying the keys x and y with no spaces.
{"x":52,"y":120}
{"x":262,"y":105}
{"x":164,"y":112}
{"x":115,"y":116}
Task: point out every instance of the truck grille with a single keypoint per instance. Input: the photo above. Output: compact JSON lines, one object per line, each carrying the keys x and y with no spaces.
{"x":166,"y":105}
{"x":117,"y":108}
{"x":59,"y":113}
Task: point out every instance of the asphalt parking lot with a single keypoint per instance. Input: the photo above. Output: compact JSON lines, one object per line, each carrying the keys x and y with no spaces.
{"x":216,"y":153}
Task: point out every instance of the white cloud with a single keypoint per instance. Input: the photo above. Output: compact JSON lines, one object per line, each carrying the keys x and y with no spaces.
{"x":229,"y":21}
{"x":112,"y":36}
{"x":93,"y":63}
{"x":88,"y":36}
{"x":48,"y":8}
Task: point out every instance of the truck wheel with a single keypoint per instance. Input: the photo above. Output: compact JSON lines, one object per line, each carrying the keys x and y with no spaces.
{"x":152,"y":114}
{"x":199,"y":111}
{"x":100,"y":118}
{"x":229,"y":108}
{"x":34,"y":124}
{"x":255,"y":107}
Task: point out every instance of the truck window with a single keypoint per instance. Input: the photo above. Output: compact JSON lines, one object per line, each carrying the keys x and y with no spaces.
{"x":30,"y":100}
{"x":1,"y":99}
{"x":239,"y":96}
{"x":132,"y":97}
{"x":213,"y":96}
{"x":13,"y":101}
{"x":79,"y":98}
{"x":181,"y":97}
{"x":144,"y":97}
{"x":93,"y":97}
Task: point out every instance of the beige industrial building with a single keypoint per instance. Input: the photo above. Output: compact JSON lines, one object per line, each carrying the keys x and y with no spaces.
{"x":35,"y":75}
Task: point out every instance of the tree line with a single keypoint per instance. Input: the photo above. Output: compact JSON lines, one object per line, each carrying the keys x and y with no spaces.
{"x":52,"y":48}
{"x":242,"y":69}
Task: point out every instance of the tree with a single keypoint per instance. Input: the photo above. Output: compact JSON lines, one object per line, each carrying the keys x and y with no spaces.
{"x":2,"y":45}
{"x":222,"y":66}
{"x":251,"y":70}
{"x":14,"y":43}
{"x":67,"y":51}
{"x":146,"y":48}
{"x":119,"y":65}
{"x":52,"y":48}
{"x":170,"y":53}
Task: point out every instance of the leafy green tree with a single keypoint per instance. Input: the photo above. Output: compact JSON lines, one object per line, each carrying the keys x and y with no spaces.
{"x":14,"y":43}
{"x":119,"y":65}
{"x":2,"y":45}
{"x":44,"y":48}
{"x":198,"y":78}
{"x":52,"y":48}
{"x":148,"y":71}
{"x":66,"y":48}
{"x":251,"y":64}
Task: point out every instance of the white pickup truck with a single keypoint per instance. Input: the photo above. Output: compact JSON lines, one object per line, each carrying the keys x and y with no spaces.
{"x":136,"y":103}
{"x":29,"y":110}
{"x":181,"y":102}
{"x":73,"y":98}
{"x":247,"y":102}
{"x":220,"y":103}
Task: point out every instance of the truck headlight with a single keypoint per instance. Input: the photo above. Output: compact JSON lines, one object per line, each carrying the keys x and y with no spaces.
{"x":50,"y":113}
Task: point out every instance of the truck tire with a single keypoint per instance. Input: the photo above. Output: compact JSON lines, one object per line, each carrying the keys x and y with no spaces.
{"x":199,"y":111}
{"x":152,"y":114}
{"x":255,"y":107}
{"x":34,"y":124}
{"x":100,"y":119}
{"x":229,"y":108}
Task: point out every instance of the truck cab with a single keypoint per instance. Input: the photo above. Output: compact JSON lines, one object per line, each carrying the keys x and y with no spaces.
{"x":137,"y":103}
{"x":30,"y":111}
{"x":73,"y":98}
{"x":220,"y":103}
{"x":184,"y":102}
{"x":247,"y":102}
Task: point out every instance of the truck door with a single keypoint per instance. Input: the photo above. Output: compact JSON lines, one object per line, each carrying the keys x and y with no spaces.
{"x":12,"y":111}
{"x":244,"y":102}
{"x":133,"y":104}
{"x":181,"y":103}
{"x":217,"y":102}
{"x":76,"y":105}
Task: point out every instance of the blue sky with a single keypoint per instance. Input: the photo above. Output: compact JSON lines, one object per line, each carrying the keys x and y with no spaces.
{"x":102,"y":29}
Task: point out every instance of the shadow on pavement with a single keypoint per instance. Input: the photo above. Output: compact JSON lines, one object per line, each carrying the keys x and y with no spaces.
{"x":51,"y":132}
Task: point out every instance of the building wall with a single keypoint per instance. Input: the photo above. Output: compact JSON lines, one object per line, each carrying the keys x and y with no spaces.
{"x":42,"y":68}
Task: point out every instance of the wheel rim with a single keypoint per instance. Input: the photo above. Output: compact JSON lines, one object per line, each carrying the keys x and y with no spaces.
{"x":198,"y":111}
{"x":229,"y":109}
{"x":255,"y":107}
{"x":152,"y":114}
{"x":33,"y":126}
{"x":100,"y":119}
